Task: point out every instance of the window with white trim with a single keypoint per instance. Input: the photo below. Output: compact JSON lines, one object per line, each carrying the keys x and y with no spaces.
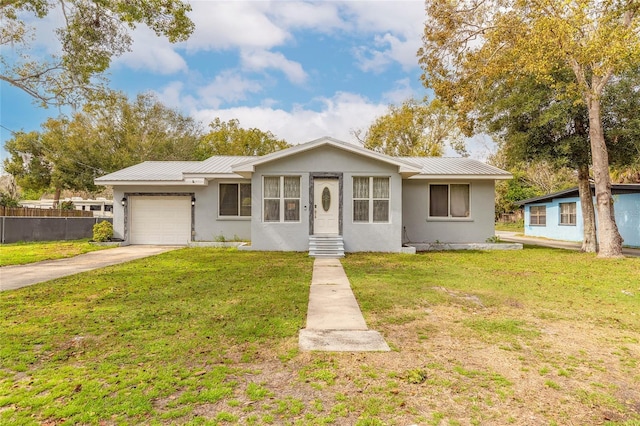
{"x":449,"y":200}
{"x":568,"y":213}
{"x":234,"y":200}
{"x":370,"y":199}
{"x":538,"y":215}
{"x":281,"y":196}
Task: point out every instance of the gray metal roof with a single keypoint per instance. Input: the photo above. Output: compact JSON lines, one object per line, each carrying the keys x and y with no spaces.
{"x":151,"y":171}
{"x":430,"y":167}
{"x":218,"y":164}
{"x":448,"y":166}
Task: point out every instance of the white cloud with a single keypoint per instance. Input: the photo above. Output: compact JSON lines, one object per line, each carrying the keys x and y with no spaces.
{"x":337,"y":117}
{"x":401,"y":91}
{"x":258,"y":60}
{"x":237,"y":24}
{"x":228,"y":86}
{"x":322,"y":17}
{"x":397,"y":27}
{"x":152,"y":54}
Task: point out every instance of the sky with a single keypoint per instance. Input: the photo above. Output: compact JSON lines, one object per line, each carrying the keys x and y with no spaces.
{"x":300,"y":69}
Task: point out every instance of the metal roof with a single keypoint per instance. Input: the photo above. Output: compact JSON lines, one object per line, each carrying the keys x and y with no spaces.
{"x":151,"y":171}
{"x":225,"y":165}
{"x":404,"y":168}
{"x":455,"y":166}
{"x":218,"y":164}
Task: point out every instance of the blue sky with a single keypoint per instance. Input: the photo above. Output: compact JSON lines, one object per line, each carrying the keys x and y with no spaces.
{"x":300,"y":69}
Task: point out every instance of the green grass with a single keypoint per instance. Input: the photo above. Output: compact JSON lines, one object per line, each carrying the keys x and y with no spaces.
{"x":210,"y":336}
{"x":110,"y":344}
{"x":22,"y":253}
{"x":554,"y":283}
{"x":510,"y":226}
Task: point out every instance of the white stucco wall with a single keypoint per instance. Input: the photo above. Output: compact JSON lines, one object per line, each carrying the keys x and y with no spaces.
{"x":208,"y":226}
{"x":475,"y":229}
{"x":327,"y":159}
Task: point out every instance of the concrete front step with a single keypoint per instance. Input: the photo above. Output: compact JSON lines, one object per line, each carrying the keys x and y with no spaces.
{"x":326,"y":246}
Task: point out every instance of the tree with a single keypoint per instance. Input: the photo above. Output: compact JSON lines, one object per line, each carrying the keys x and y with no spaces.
{"x":468,"y":44}
{"x":621,"y":122}
{"x":27,"y":161}
{"x":90,"y":35}
{"x":69,"y":153}
{"x":545,"y":135}
{"x":228,"y":138}
{"x":413,"y":129}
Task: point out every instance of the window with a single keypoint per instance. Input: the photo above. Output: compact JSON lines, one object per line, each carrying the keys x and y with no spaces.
{"x":449,"y":200}
{"x":371,"y":199}
{"x":235,"y":199}
{"x":567,"y":214}
{"x":538,"y":215}
{"x":281,"y":198}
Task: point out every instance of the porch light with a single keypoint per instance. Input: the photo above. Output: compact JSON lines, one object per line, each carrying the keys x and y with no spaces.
{"x":193,"y":201}
{"x":123,"y":201}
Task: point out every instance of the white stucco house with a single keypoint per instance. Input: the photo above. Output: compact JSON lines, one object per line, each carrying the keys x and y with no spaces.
{"x":323,"y":196}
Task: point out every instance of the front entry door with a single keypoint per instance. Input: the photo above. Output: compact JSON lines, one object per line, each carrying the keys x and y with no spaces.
{"x":325,"y":206}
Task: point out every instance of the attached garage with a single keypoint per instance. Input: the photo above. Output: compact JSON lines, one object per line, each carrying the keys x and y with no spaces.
{"x":160,"y":219}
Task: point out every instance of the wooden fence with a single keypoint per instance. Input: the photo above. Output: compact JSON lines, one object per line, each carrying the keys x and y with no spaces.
{"x":31,"y":212}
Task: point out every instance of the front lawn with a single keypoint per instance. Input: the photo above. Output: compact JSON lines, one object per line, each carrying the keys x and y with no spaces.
{"x":210,"y":336}
{"x":21,"y":253}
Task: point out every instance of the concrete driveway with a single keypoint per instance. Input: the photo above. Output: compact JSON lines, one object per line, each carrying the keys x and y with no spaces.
{"x":18,"y":276}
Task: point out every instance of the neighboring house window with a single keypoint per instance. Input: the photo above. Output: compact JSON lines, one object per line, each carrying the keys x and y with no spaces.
{"x":538,"y":215}
{"x":449,"y":200}
{"x":371,"y":199}
{"x":281,"y":198}
{"x":567,"y":213}
{"x":235,"y":199}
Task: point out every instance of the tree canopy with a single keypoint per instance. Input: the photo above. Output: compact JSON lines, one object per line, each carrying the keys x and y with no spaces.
{"x":413,"y":129}
{"x":470,"y":45}
{"x":228,"y":138}
{"x":90,"y":34}
{"x":70,"y":152}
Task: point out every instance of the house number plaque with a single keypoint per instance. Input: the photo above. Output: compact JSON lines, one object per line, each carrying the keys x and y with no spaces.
{"x":326,"y":199}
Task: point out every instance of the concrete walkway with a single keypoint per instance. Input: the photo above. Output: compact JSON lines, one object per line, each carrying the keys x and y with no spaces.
{"x":18,"y":276}
{"x":569,"y":245}
{"x":334,"y":320}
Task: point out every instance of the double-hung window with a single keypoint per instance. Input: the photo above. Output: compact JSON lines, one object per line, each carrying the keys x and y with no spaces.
{"x":281,"y":196}
{"x":449,"y":200}
{"x":538,"y":215}
{"x":234,"y":200}
{"x":567,"y":214}
{"x":371,"y":199}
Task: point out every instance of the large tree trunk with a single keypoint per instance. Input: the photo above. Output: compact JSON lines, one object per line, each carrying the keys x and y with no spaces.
{"x":56,"y":198}
{"x":610,"y":241}
{"x":589,"y":239}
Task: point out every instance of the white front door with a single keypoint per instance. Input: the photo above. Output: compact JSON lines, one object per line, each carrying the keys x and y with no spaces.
{"x":325,"y":206}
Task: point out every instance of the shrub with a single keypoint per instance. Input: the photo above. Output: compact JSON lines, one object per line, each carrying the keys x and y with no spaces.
{"x":102,"y":231}
{"x":67,"y":205}
{"x":7,"y":200}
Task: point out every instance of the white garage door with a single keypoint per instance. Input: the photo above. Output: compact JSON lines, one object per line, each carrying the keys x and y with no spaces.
{"x":160,"y":220}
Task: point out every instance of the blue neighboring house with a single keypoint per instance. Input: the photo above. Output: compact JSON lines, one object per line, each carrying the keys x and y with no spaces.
{"x":559,"y":216}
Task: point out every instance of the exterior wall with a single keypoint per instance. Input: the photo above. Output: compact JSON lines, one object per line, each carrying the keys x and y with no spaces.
{"x":627,"y":211}
{"x":419,"y":228}
{"x":553,"y":229}
{"x":385,"y":237}
{"x":207,"y":225}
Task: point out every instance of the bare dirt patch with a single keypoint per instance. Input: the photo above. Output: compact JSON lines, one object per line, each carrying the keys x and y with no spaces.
{"x":443,"y":371}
